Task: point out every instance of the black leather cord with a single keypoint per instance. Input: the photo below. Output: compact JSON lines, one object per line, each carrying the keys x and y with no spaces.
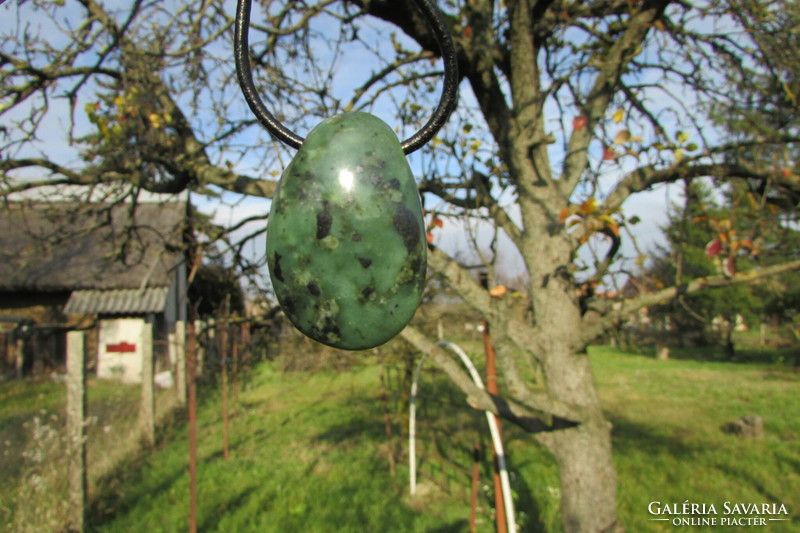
{"x":447,"y":101}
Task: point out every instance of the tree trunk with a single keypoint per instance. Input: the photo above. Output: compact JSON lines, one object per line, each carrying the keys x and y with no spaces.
{"x":588,"y":478}
{"x":730,"y":347}
{"x":583,"y":453}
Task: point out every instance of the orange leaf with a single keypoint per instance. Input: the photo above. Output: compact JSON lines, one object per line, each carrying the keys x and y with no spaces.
{"x":498,"y":291}
{"x":580,"y":122}
{"x":564,"y":214}
{"x":622,"y":137}
{"x":589,"y":206}
{"x":429,"y":236}
{"x":609,"y":154}
{"x":437,"y":222}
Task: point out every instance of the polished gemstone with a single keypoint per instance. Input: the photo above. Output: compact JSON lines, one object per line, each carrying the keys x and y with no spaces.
{"x":346,"y":243}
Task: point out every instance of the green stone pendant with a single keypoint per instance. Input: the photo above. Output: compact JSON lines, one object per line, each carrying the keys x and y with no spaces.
{"x":346,"y":243}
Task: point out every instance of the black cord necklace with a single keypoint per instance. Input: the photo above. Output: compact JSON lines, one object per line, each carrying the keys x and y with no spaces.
{"x":346,"y":244}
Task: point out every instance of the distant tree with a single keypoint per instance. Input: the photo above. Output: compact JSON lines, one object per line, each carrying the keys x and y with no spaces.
{"x":213,"y":285}
{"x":568,"y":109}
{"x":693,"y":250}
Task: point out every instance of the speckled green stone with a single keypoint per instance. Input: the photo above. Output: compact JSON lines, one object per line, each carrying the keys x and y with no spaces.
{"x":346,"y":243}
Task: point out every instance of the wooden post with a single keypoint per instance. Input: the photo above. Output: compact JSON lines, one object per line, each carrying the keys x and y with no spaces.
{"x":191,"y":354}
{"x":76,"y":429}
{"x":223,"y":354}
{"x":234,"y":367}
{"x":147,"y":418}
{"x":491,"y":388}
{"x":387,"y":421}
{"x":19,"y":359}
{"x":247,"y":353}
{"x":473,"y":500}
{"x":180,"y":361}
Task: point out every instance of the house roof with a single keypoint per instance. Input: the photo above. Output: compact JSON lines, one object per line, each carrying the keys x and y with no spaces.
{"x":63,"y":246}
{"x":124,"y":301}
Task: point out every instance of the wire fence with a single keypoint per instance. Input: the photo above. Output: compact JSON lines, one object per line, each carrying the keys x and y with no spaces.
{"x":452,"y":442}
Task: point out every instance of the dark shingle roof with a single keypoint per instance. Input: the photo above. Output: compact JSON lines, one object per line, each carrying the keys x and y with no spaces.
{"x":64,"y":246}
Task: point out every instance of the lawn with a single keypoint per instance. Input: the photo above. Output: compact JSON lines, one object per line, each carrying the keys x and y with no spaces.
{"x":309,"y":453}
{"x":306,"y":454}
{"x":668,"y":445}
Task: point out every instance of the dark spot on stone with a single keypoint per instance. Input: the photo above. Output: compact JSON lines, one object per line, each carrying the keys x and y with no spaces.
{"x":356,"y":237}
{"x":308,"y":175}
{"x":366,"y":292}
{"x":406,"y":225}
{"x":288,"y":305}
{"x":382,"y":163}
{"x":365,"y":262}
{"x":324,"y":222}
{"x":277,"y":268}
{"x":313,"y":288}
{"x":375,"y":179}
{"x":394,"y":184}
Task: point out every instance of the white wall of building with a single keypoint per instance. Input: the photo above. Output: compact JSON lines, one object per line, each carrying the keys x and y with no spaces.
{"x":119,"y":349}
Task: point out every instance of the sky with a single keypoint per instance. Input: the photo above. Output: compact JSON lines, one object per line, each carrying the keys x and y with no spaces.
{"x":352,"y":68}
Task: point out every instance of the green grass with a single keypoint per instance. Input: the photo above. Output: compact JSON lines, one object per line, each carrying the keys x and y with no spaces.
{"x":668,"y":445}
{"x":309,"y":453}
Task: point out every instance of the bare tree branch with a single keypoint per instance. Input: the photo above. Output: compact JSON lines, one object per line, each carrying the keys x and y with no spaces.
{"x":611,"y":67}
{"x":528,"y":418}
{"x":603,"y":315}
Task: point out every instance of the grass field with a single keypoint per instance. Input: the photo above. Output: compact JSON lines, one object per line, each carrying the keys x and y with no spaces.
{"x":668,"y":446}
{"x":309,"y":453}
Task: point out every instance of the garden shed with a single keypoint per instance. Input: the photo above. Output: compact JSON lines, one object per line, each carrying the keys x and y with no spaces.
{"x":112,"y":269}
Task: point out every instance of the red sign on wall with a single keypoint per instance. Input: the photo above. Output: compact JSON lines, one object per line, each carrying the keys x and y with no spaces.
{"x":121,"y":347}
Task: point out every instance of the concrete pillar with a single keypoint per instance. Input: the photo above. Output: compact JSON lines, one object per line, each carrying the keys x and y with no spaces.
{"x":180,"y":361}
{"x":147,"y":417}
{"x":76,"y":429}
{"x":19,"y":355}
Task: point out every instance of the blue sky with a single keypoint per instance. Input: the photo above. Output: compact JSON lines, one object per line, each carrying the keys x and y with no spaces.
{"x":352,"y":67}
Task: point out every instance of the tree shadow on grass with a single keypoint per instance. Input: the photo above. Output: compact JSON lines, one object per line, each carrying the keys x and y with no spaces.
{"x":235,"y":501}
{"x":110,"y":503}
{"x":459,"y":526}
{"x":713,"y":353}
{"x":629,"y":436}
{"x":366,"y":424}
